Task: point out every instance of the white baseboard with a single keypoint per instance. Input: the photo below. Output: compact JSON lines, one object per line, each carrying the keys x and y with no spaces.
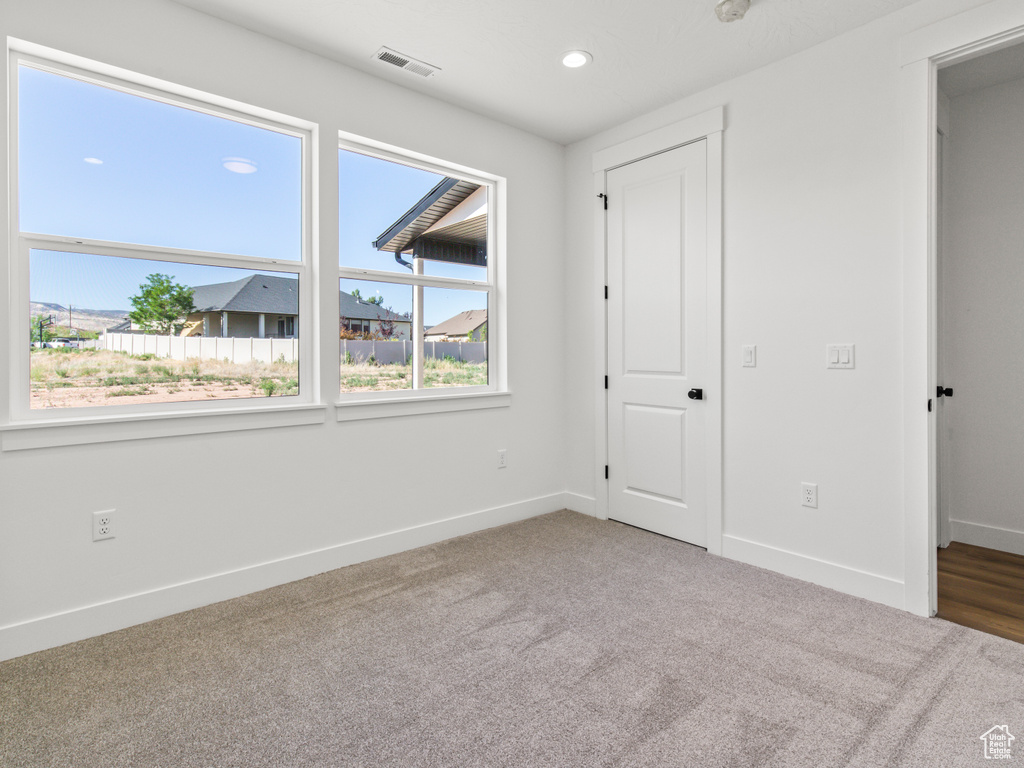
{"x":839,"y":577}
{"x":989,"y":536}
{"x":91,"y":620}
{"x":586,"y":505}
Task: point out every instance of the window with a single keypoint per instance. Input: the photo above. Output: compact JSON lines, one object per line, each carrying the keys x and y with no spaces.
{"x":166,"y":238}
{"x":418,"y":275}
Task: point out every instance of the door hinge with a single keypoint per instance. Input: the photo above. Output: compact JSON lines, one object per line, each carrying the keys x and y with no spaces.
{"x":604,"y":197}
{"x":606,"y":382}
{"x":605,"y":471}
{"x":929,"y":405}
{"x":606,"y":291}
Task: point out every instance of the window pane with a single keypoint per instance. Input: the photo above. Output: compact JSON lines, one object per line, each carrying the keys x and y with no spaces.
{"x":192,"y":333}
{"x":98,"y":163}
{"x":455,"y":338}
{"x":375,"y":330}
{"x":391,"y":214}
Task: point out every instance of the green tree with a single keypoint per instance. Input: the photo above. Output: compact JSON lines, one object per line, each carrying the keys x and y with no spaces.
{"x":162,"y":306}
{"x":377,"y":300}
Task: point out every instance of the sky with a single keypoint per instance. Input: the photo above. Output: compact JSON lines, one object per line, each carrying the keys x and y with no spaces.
{"x":100,"y":164}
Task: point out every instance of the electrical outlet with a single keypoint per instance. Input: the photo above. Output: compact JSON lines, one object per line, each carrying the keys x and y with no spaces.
{"x":809,"y":495}
{"x":502,"y":458}
{"x":103,"y":525}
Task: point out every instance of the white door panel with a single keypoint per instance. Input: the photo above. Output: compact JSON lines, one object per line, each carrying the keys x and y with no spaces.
{"x":652,"y":286}
{"x":654,"y":444}
{"x":657,"y":345}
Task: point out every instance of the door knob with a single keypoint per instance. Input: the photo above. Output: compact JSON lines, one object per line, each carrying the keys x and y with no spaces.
{"x":943,"y":391}
{"x":698,"y":394}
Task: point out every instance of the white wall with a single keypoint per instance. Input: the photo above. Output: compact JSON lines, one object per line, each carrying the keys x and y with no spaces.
{"x":983,"y":344}
{"x":812,"y":255}
{"x":195,"y":539}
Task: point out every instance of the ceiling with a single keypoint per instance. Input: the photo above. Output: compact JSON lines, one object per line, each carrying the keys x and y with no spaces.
{"x":1002,"y":66}
{"x":502,"y":58}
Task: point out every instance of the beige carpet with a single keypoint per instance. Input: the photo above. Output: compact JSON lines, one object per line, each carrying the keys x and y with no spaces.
{"x":559,"y":641}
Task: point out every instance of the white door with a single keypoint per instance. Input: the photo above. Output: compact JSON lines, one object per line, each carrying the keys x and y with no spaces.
{"x":657,"y":342}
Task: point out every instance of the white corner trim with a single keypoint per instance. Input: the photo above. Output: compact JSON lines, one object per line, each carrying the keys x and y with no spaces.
{"x":870,"y":586}
{"x":989,"y":536}
{"x":660,"y":140}
{"x":109,"y":429}
{"x":577,"y":502}
{"x":355,"y":410}
{"x":88,"y":621}
{"x":995,"y":22}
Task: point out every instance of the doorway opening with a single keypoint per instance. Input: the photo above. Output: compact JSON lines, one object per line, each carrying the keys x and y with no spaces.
{"x":978,"y":318}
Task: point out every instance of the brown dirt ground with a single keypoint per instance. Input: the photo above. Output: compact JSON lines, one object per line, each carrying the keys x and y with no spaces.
{"x":75,"y":397}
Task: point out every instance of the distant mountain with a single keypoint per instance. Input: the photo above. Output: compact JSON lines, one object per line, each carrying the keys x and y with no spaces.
{"x":94,"y":320}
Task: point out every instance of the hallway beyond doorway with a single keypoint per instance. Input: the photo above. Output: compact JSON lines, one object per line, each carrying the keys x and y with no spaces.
{"x":982,"y":589}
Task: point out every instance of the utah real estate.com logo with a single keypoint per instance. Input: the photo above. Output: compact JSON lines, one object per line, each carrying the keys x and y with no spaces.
{"x":997,"y":742}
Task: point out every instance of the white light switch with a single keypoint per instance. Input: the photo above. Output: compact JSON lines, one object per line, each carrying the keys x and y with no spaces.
{"x":839,"y":355}
{"x":750,"y":356}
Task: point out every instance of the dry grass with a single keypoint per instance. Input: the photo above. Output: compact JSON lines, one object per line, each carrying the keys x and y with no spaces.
{"x":369,"y":377}
{"x":69,"y":377}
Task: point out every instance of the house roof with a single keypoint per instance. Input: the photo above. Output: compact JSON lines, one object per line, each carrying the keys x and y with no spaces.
{"x":357,"y":309}
{"x":403,"y":235}
{"x":460,"y":325}
{"x":270,"y":294}
{"x":256,"y":293}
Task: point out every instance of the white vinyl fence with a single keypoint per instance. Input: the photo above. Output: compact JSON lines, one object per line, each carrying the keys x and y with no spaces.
{"x":387,"y":352}
{"x":244,"y":350}
{"x":240,"y":350}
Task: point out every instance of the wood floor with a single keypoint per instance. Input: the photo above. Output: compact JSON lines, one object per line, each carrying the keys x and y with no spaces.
{"x":982,"y":588}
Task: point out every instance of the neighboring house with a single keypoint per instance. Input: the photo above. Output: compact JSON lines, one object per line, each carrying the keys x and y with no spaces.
{"x":259,"y":306}
{"x":267,"y":306}
{"x":125,"y":326}
{"x":361,"y":316}
{"x":470,"y":325}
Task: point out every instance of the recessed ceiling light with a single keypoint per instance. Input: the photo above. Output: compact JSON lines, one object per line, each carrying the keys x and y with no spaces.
{"x":93,"y":161}
{"x":239,"y":164}
{"x":575,"y":59}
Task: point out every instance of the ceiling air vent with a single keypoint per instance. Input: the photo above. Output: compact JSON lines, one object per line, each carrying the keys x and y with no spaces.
{"x":408,"y":63}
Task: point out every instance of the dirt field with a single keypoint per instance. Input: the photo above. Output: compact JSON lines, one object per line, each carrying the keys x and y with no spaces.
{"x":68,"y":397}
{"x":366,"y":377}
{"x":72,"y":378}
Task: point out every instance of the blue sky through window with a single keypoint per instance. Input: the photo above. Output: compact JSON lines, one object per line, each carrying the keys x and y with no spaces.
{"x":98,"y":163}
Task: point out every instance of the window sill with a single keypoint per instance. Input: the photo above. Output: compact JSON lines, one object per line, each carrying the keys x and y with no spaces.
{"x":370,"y":408}
{"x":22,"y":436}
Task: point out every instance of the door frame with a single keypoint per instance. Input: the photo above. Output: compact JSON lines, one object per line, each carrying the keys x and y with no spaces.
{"x":707,"y":126}
{"x":922,"y":53}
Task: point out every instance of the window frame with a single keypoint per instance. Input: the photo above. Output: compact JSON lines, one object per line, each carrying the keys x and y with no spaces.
{"x":21,"y":243}
{"x":495,"y":392}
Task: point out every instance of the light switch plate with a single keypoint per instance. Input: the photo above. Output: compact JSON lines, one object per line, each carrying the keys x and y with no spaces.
{"x":750,"y":356}
{"x":839,"y":355}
